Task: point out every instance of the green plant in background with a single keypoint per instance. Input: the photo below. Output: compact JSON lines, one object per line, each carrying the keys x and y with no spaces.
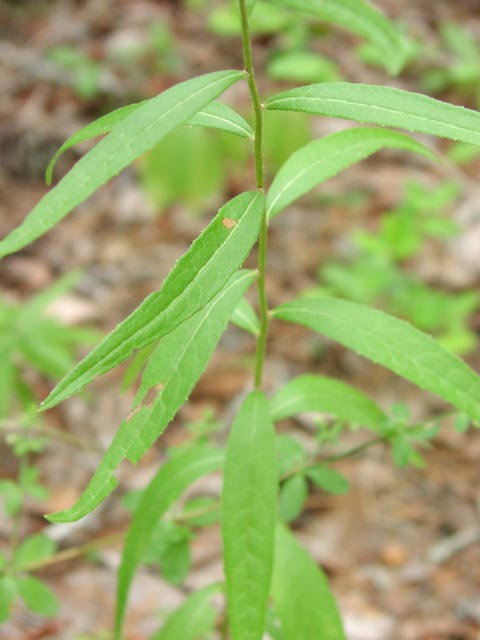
{"x":30,"y":340}
{"x":375,"y":273}
{"x":271,"y":581}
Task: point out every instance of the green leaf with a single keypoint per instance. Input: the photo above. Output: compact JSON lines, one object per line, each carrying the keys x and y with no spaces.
{"x":8,"y":593}
{"x":194,"y":620}
{"x":321,"y":159}
{"x":363,"y":19}
{"x":393,"y":343}
{"x":175,"y":560}
{"x":215,"y":115}
{"x":219,"y":116}
{"x":244,"y":316}
{"x":386,"y":106}
{"x":174,"y":368}
{"x":37,"y":596}
{"x":293,"y":494}
{"x":138,"y":132}
{"x":166,"y":487}
{"x":34,"y":548}
{"x":248,"y":516}
{"x":328,"y":479}
{"x":326,"y":395}
{"x":300,"y":591}
{"x":195,"y":279}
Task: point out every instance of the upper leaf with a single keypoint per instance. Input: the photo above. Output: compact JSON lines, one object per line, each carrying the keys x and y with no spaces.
{"x":215,"y":115}
{"x":248,"y":517}
{"x":195,"y":279}
{"x":165,"y":488}
{"x":301,"y":595}
{"x":326,"y":395}
{"x":362,"y":18}
{"x":321,"y":159}
{"x":173,"y":370}
{"x":138,"y":132}
{"x":393,"y":343}
{"x":386,"y":106}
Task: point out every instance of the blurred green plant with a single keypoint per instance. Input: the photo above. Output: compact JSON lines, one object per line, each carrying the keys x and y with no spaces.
{"x":376,"y":274}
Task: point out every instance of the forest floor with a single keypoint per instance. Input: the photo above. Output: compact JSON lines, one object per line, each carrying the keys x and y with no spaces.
{"x":402,"y":547}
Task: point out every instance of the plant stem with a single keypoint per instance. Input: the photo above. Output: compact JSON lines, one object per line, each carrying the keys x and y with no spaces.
{"x":258,"y":148}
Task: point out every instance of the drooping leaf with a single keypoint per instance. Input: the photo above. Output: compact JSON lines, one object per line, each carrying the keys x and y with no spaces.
{"x":138,"y":132}
{"x":386,"y":106}
{"x":194,"y":620}
{"x":173,"y":369}
{"x":196,"y":278}
{"x":360,"y":17}
{"x":301,"y":595}
{"x":215,"y":115}
{"x":37,"y":596}
{"x":321,"y":159}
{"x":326,"y":395}
{"x":248,"y":517}
{"x":164,"y":489}
{"x":219,"y":116}
{"x":393,"y":343}
{"x":245,"y":317}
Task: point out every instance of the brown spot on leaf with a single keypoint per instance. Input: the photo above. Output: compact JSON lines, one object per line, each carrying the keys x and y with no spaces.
{"x":228,"y":223}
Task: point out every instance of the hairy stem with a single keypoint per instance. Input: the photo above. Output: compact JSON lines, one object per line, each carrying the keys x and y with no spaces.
{"x":258,"y":148}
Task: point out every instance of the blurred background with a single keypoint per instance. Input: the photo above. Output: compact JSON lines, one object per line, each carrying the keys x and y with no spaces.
{"x":396,"y":527}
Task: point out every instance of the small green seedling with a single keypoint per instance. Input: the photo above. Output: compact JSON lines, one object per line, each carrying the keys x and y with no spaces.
{"x":271,"y":582}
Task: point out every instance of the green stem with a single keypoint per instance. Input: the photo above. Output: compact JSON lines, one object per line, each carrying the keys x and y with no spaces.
{"x":258,"y":148}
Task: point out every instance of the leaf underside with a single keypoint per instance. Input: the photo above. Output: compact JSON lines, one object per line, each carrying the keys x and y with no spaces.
{"x":180,"y":359}
{"x":393,"y":343}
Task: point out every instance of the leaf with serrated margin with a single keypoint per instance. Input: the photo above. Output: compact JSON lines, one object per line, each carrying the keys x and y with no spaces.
{"x":141,"y":130}
{"x":174,"y":368}
{"x":326,"y":395}
{"x":193,"y":620}
{"x":215,"y":115}
{"x":385,"y":106}
{"x":321,"y":159}
{"x":218,"y":116}
{"x":195,"y":279}
{"x":393,"y":343}
{"x":301,"y":595}
{"x":169,"y":483}
{"x":362,"y":18}
{"x":245,"y":317}
{"x":248,"y":516}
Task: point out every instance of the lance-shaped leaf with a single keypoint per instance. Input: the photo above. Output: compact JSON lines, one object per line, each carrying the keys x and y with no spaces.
{"x":219,"y":116}
{"x":360,"y":17}
{"x":386,"y":106}
{"x":180,"y":359}
{"x":194,"y":620}
{"x":248,"y":517}
{"x":196,"y":278}
{"x":245,"y":317}
{"x":215,"y":115}
{"x":321,"y":159}
{"x":393,"y":343}
{"x":141,"y":130}
{"x":301,"y":595}
{"x":326,"y":395}
{"x":169,"y":483}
